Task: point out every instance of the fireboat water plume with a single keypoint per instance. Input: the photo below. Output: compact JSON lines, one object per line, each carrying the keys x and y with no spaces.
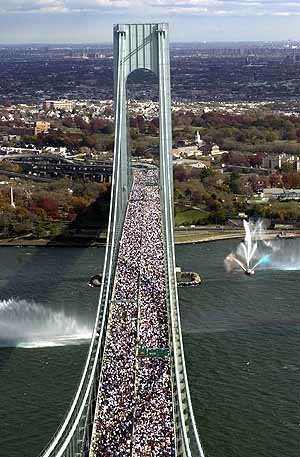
{"x":237,"y":261}
{"x":30,"y":325}
{"x":247,"y":256}
{"x":258,"y":253}
{"x":264,"y":260}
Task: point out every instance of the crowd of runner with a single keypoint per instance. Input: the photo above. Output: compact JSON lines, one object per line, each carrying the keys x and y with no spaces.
{"x":154,"y":429}
{"x":134,"y":414}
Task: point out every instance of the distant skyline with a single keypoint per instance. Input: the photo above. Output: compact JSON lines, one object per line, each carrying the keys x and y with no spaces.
{"x":77,"y":21}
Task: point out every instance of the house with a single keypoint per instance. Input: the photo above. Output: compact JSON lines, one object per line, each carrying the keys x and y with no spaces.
{"x":194,"y":163}
{"x":185,"y":152}
{"x":210,"y":149}
{"x":41,"y":127}
{"x":182,"y":143}
{"x":276,"y":161}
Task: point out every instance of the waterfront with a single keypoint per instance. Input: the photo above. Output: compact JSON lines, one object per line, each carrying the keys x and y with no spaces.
{"x":241,"y":338}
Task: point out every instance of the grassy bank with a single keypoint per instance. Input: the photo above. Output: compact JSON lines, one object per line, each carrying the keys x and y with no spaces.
{"x":182,"y":236}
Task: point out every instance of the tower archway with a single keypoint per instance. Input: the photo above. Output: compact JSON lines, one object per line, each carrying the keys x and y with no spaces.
{"x":141,"y":47}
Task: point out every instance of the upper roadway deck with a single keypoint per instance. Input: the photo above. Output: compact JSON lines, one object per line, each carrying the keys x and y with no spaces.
{"x":134,"y":413}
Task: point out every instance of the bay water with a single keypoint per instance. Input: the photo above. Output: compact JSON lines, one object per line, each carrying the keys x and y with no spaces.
{"x":241,"y":337}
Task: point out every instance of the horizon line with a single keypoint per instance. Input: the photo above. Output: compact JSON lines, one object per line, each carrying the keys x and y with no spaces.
{"x":110,"y":43}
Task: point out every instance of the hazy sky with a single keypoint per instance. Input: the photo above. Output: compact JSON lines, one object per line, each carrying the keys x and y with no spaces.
{"x":74,"y":21}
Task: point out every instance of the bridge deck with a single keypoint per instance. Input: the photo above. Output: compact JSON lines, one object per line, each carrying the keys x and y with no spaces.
{"x":134,"y":413}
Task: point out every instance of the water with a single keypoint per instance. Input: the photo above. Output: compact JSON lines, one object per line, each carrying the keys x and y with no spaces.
{"x":241,"y":337}
{"x":46,"y":315}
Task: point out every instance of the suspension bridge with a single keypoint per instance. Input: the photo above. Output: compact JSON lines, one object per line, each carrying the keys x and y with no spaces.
{"x":133,"y":398}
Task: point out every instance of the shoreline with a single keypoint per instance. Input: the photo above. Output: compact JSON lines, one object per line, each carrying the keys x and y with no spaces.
{"x":23,"y":243}
{"x":195,"y":237}
{"x":269,"y":235}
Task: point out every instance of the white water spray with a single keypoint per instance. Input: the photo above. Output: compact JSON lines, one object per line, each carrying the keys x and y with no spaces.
{"x":257,"y":252}
{"x":31,"y":325}
{"x":248,"y":257}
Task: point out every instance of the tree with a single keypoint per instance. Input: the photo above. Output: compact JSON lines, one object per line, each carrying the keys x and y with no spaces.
{"x":235,"y":183}
{"x":81,"y":123}
{"x":134,"y":133}
{"x":275,"y":179}
{"x":68,"y":122}
{"x":139,"y":150}
{"x":207,"y":172}
{"x":108,"y":129}
{"x":254,"y":182}
{"x":22,"y":213}
{"x":133,"y":122}
{"x":181,"y":173}
{"x":236,"y":159}
{"x":79,"y":204}
{"x":282,"y":215}
{"x":291,"y":180}
{"x":153,"y":126}
{"x":196,"y":196}
{"x":255,"y":160}
{"x":141,"y":123}
{"x":41,"y":213}
{"x":97,"y":124}
{"x":49,"y":205}
{"x":9,"y":166}
{"x":108,"y":111}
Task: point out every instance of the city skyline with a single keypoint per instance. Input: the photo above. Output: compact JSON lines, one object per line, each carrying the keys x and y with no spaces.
{"x":77,"y":21}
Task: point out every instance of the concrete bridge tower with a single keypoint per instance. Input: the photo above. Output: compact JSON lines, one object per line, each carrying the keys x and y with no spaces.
{"x":141,"y":46}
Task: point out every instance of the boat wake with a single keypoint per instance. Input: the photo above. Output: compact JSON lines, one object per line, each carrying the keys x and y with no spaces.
{"x":30,"y":325}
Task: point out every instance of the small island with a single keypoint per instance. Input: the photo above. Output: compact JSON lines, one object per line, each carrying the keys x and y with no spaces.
{"x":187,"y":278}
{"x":184,"y":279}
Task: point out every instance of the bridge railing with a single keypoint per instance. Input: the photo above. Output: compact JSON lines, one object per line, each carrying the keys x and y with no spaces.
{"x":74,"y":435}
{"x":187,"y":437}
{"x":70,"y":433}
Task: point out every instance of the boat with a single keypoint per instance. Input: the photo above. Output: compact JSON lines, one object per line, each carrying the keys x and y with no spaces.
{"x":95,"y":281}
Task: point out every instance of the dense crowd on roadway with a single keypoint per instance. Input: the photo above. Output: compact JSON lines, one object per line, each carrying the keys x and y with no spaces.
{"x":134,"y":413}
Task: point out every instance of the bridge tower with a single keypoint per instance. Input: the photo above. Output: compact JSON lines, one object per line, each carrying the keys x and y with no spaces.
{"x":140,"y":46}
{"x":136,"y":46}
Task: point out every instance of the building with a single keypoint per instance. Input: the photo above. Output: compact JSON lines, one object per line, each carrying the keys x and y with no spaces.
{"x":61,"y":150}
{"x":210,"y":149}
{"x":201,"y":164}
{"x":198,"y":140}
{"x":22,"y":131}
{"x":66,"y":105}
{"x":185,"y":152}
{"x":7,"y":138}
{"x":10,"y":150}
{"x":194,"y":163}
{"x":275,"y":193}
{"x":41,"y":127}
{"x":276,"y":161}
{"x":183,"y":143}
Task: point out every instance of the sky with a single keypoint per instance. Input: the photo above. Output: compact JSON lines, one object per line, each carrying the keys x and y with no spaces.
{"x":84,"y":21}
